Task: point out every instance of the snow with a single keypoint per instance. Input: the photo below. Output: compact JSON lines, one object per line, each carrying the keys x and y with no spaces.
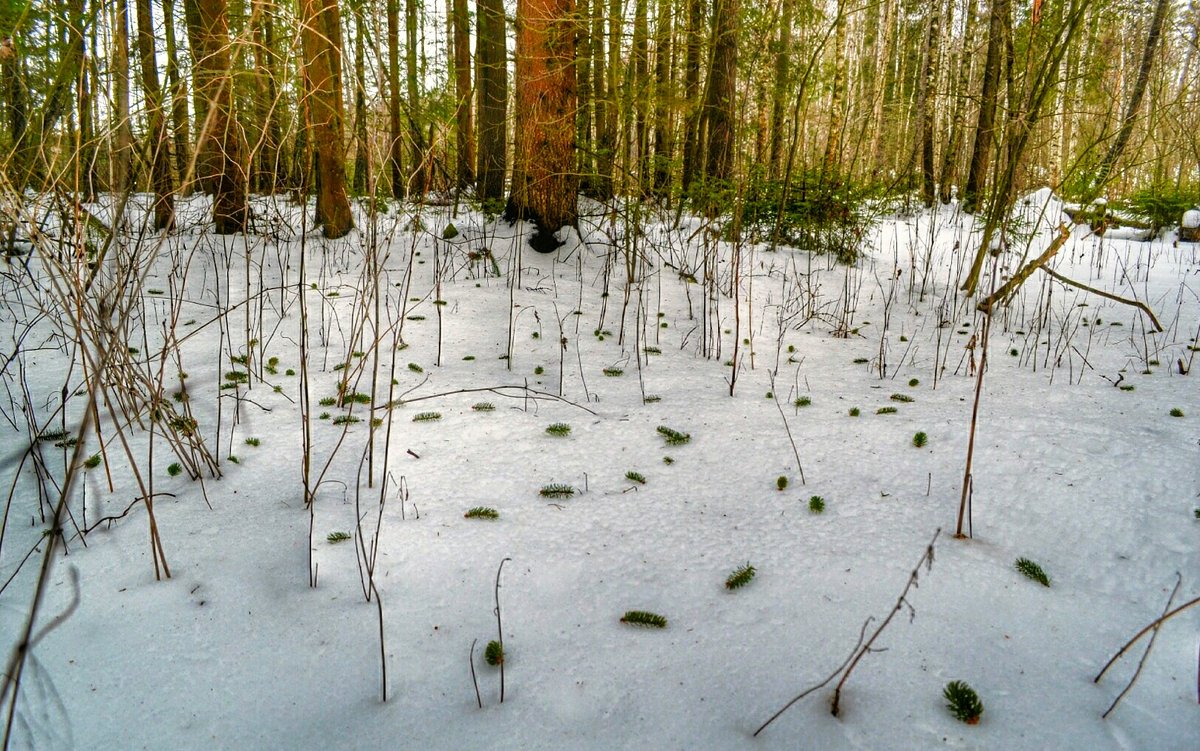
{"x":1094,"y":482}
{"x":1191,"y":219}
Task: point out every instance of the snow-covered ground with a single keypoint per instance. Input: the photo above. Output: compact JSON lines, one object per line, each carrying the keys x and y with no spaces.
{"x":1078,"y":466}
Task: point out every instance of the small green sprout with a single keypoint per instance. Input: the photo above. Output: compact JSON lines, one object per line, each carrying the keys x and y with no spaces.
{"x":556,"y":490}
{"x":740,"y":577}
{"x":802,"y":401}
{"x":1031,"y":570}
{"x":175,"y":469}
{"x":613,"y":372}
{"x":962,"y":700}
{"x":919,"y":439}
{"x":427,"y":416}
{"x":559,"y":429}
{"x":482,"y":512}
{"x":855,"y":411}
{"x":493,"y":653}
{"x":335,"y":537}
{"x":483,"y":407}
{"x":637,"y":477}
{"x":252,"y":442}
{"x":644,"y":618}
{"x":93,"y":461}
{"x":674,"y":437}
{"x":816,"y":504}
{"x":781,"y":482}
{"x":1176,"y":412}
{"x":903,"y":398}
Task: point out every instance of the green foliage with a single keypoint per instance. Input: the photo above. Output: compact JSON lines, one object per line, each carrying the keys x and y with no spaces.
{"x":450,"y":232}
{"x":482,"y":512}
{"x":335,"y":537}
{"x":559,"y":429}
{"x":252,"y":442}
{"x":415,"y":368}
{"x":816,"y":504}
{"x":358,"y":398}
{"x":483,"y":407}
{"x":781,"y":482}
{"x":175,"y":469}
{"x":345,"y":420}
{"x":914,"y":382}
{"x":803,"y":401}
{"x":92,"y":461}
{"x":613,"y":372}
{"x":820,"y":212}
{"x":920,"y":439}
{"x":427,"y":416}
{"x":855,"y":411}
{"x":1176,"y":412}
{"x":886,"y":411}
{"x":740,"y":577}
{"x":668,"y":460}
{"x":644,"y":618}
{"x":637,"y":477}
{"x":556,"y":490}
{"x":902,"y":398}
{"x":962,"y":700}
{"x":327,"y":401}
{"x":1031,"y":570}
{"x":493,"y":653}
{"x":674,"y":437}
{"x":1159,"y":206}
{"x":861,"y":361}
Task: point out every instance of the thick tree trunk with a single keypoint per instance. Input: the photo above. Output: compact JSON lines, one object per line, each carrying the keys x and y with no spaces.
{"x":985,"y":126}
{"x":266,"y":107}
{"x":122,"y":152}
{"x":322,"y":41}
{"x":782,"y":86}
{"x":418,"y":169}
{"x":395,"y":125}
{"x":545,"y":183}
{"x":361,"y":169}
{"x":927,"y":100}
{"x":722,"y":92}
{"x":160,"y":152}
{"x":837,"y":120}
{"x":959,"y":95}
{"x":663,"y":141}
{"x":179,"y":107}
{"x":692,"y":154}
{"x":220,"y":150}
{"x":492,"y":94}
{"x":464,"y":122}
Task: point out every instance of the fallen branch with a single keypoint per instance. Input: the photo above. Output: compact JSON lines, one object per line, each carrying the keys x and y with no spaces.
{"x":861,"y":648}
{"x":1145,"y":655}
{"x":1152,"y":625}
{"x":1002,"y":294}
{"x":1107,"y":295}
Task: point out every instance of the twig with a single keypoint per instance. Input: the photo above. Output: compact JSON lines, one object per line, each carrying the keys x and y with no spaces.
{"x":927,"y":561}
{"x":786,"y":427}
{"x":499,"y":628}
{"x":498,"y":391}
{"x":1146,"y":654}
{"x":474,"y":680}
{"x":861,"y":634}
{"x":1019,"y":278}
{"x":1153,"y":624}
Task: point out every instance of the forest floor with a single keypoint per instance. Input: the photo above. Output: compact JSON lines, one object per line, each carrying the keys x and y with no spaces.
{"x":1078,"y":466}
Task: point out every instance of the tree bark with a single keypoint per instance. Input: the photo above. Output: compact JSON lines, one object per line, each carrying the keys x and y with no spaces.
{"x":220,"y":148}
{"x":160,"y":152}
{"x":321,"y":39}
{"x":663,"y":138}
{"x":395,"y":126}
{"x":545,"y":183}
{"x":492,"y":95}
{"x":782,"y":84}
{"x":179,"y":106}
{"x":692,"y":154}
{"x":985,"y":125}
{"x":927,"y":103}
{"x":1135,"y":102}
{"x":361,"y":169}
{"x":122,"y":153}
{"x":721,"y":102}
{"x":464,"y":122}
{"x":418,"y":169}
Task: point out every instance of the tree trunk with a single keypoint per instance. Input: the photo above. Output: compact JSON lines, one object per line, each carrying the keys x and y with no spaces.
{"x":959,"y":96}
{"x":692,"y":156}
{"x":179,"y":106}
{"x":361,"y":170}
{"x":122,"y":152}
{"x":492,"y":94}
{"x":985,"y":126}
{"x":833,"y":144}
{"x":663,"y":141}
{"x":160,"y":152}
{"x":418,"y":169}
{"x":640,"y":92}
{"x":322,"y":41}
{"x":779,"y":97}
{"x":464,"y":122}
{"x":722,"y":92}
{"x":927,"y":103}
{"x":1135,"y":102}
{"x":395,"y":127}
{"x":220,"y":149}
{"x":545,"y":183}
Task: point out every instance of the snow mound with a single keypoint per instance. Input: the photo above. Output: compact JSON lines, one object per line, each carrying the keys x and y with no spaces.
{"x":1191,"y":219}
{"x":1040,"y":211}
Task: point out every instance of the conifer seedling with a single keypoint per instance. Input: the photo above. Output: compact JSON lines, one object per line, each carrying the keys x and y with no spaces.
{"x":962,"y":700}
{"x":740,"y":577}
{"x":1031,"y":570}
{"x":644,"y":618}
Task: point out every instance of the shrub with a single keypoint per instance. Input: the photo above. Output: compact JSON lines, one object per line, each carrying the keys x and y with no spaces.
{"x":1159,"y":206}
